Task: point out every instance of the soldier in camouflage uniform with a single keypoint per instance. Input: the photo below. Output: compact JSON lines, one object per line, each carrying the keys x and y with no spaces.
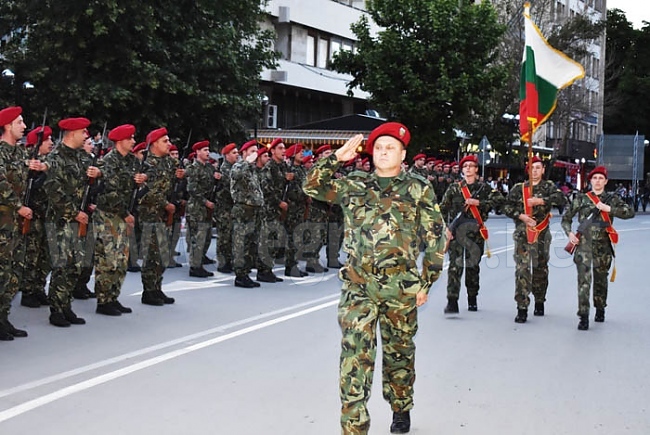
{"x":37,"y":253}
{"x":201,"y":184}
{"x":153,"y":208}
{"x":112,"y":219}
{"x":135,"y":236}
{"x":248,"y":201}
{"x":465,"y":207}
{"x":224,"y":217}
{"x":13,"y":175}
{"x":531,"y":214}
{"x":419,"y":167}
{"x":386,"y":214}
{"x":595,"y":247}
{"x":66,"y":181}
{"x":179,"y":199}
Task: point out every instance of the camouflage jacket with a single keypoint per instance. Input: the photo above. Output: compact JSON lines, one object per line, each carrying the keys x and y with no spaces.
{"x":118,"y":184}
{"x":296,"y":197}
{"x":453,"y":201}
{"x":514,"y":204}
{"x":13,"y":178}
{"x":274,"y":186}
{"x":160,"y":173}
{"x":383,"y":227}
{"x":422,"y":172}
{"x":583,"y":207}
{"x":38,"y":198}
{"x":223,"y":195}
{"x":66,"y":180}
{"x":245,"y":185}
{"x":201,"y":186}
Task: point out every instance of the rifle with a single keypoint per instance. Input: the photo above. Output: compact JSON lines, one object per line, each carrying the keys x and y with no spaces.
{"x":32,"y":175}
{"x":85,"y":199}
{"x":582,"y":228}
{"x":283,"y":213}
{"x":139,"y":191}
{"x":176,"y":193}
{"x":455,"y":223}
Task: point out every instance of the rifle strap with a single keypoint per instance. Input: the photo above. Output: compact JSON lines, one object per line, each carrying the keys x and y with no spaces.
{"x":476,"y":215}
{"x":611,"y":232}
{"x":533,"y":233}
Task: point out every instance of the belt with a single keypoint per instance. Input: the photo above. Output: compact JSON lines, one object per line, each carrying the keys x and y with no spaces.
{"x":373,"y":270}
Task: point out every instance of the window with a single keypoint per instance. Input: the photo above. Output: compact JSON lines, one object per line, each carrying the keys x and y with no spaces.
{"x":311,"y":50}
{"x":323,"y":52}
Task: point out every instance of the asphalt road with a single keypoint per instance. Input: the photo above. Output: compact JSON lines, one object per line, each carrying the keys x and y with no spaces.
{"x":225,"y":360}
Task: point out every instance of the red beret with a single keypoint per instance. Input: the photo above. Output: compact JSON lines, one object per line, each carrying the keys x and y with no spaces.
{"x":293,"y":150}
{"x":156,"y":134}
{"x":431,"y":160}
{"x":446,"y":163}
{"x":200,"y":145}
{"x":228,"y":148}
{"x":275,"y":143}
{"x":248,"y":144}
{"x":323,"y":148}
{"x":349,"y":162}
{"x":598,"y":170}
{"x":173,"y":147}
{"x":419,"y":156}
{"x":393,"y":129}
{"x":438,"y":163}
{"x":365,"y":160}
{"x":139,"y":147}
{"x":535,"y":160}
{"x":470,"y":158}
{"x":308,"y":159}
{"x":191,"y":156}
{"x":72,"y":124}
{"x":8,"y":115}
{"x":32,"y":136}
{"x":121,"y":132}
{"x":454,"y":164}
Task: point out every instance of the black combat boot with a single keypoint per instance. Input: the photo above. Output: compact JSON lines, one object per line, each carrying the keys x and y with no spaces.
{"x":294,"y":272}
{"x":200,"y":272}
{"x":401,"y":422}
{"x":600,"y":315}
{"x":522,"y":315}
{"x":583,"y":324}
{"x":314,"y":266}
{"x":226,"y":268}
{"x":81,"y":293}
{"x":6,"y":326}
{"x":334,"y":264}
{"x":58,"y":319}
{"x":5,"y":335}
{"x":30,"y":301}
{"x":151,"y":298}
{"x":71,"y":317}
{"x":108,"y":309}
{"x":121,"y":307}
{"x":267,"y":277}
{"x":539,"y":309}
{"x":135,"y":268}
{"x":452,"y":306}
{"x":471,"y":303}
{"x":207,"y":260}
{"x":244,"y":281}
{"x":42,"y":298}
{"x":166,"y":299}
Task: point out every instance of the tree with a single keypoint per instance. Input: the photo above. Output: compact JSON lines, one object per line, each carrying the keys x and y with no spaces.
{"x":426,"y":67}
{"x":187,"y":65}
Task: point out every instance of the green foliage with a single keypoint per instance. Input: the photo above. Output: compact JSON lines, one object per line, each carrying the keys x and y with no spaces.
{"x":182,"y":64}
{"x":431,"y":66}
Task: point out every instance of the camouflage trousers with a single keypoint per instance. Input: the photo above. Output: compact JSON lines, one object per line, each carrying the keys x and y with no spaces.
{"x":135,"y":243}
{"x":531,"y":267}
{"x":200,"y":234}
{"x":245,"y":237}
{"x":366,"y":301}
{"x":465,"y":252}
{"x":37,"y":259}
{"x":68,"y":254}
{"x":89,"y":262}
{"x":174,"y":235}
{"x":224,"y":242}
{"x":294,"y":236}
{"x":9,"y":276}
{"x":273,"y":237}
{"x":596,"y":254}
{"x":155,"y":254}
{"x":111,"y":255}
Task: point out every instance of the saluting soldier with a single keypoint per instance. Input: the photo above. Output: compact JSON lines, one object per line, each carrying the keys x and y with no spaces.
{"x":113,"y":221}
{"x":386,"y":213}
{"x":530,"y":209}
{"x":153,"y":208}
{"x":37,"y":251}
{"x":465,"y":206}
{"x":594,"y":248}
{"x":201,"y":185}
{"x":224,"y":217}
{"x":13,"y":176}
{"x":67,"y":178}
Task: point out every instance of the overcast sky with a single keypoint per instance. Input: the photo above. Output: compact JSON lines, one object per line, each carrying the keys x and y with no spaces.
{"x":636,"y":11}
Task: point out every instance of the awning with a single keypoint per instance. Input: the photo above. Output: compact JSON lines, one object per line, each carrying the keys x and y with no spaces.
{"x":307,"y":137}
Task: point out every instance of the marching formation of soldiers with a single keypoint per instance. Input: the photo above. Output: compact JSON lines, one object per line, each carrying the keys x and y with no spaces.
{"x":65,"y":212}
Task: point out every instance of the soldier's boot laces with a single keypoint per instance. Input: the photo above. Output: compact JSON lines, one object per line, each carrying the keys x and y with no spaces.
{"x":539,"y":309}
{"x":471,"y":303}
{"x":522,"y":316}
{"x":583,"y":324}
{"x":401,"y":422}
{"x":600,"y":315}
{"x":108,"y":309}
{"x":452,"y":306}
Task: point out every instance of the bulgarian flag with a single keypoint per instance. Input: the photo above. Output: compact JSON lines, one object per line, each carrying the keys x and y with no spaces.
{"x":544,"y":71}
